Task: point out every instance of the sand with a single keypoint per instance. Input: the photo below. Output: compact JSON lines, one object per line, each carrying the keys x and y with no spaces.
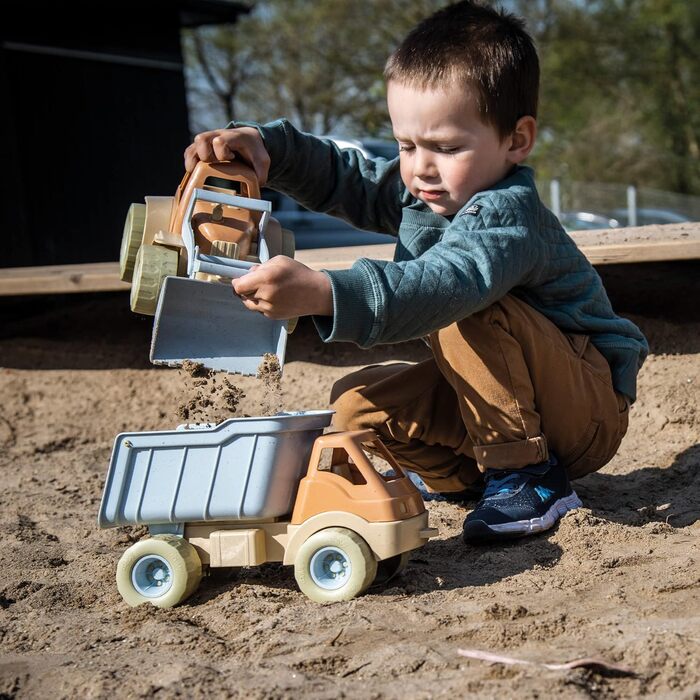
{"x":618,"y":579}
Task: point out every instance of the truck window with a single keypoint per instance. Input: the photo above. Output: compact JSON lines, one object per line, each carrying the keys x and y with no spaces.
{"x":338,"y":461}
{"x":382,"y":461}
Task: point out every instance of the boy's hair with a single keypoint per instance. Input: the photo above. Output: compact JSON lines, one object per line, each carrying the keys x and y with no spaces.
{"x":486,"y":49}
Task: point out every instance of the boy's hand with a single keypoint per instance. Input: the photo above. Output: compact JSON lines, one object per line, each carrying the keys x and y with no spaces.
{"x":226,"y":144}
{"x":283,"y":288}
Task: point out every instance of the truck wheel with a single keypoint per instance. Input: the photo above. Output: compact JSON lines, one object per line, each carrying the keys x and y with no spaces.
{"x":162,"y":570}
{"x":131,"y":240}
{"x":388,"y":569}
{"x":153,"y":264}
{"x":334,"y":564}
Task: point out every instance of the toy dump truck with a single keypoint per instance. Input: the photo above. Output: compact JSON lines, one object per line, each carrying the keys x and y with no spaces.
{"x":180,"y":254}
{"x":255,"y":490}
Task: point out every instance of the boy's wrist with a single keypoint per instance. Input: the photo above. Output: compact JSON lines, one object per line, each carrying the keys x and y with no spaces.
{"x":323,"y":303}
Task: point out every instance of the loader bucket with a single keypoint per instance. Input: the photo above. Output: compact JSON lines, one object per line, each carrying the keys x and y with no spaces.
{"x":206,"y":322}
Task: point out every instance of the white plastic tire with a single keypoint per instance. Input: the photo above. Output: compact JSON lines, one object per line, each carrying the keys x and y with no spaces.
{"x":334,"y":564}
{"x":163,"y":570}
{"x":131,"y":240}
{"x":153,"y":264}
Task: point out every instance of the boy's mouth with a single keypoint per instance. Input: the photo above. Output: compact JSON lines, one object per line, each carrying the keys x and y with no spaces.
{"x":430,"y":195}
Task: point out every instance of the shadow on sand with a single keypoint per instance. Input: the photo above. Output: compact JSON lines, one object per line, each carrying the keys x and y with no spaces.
{"x":649,"y":494}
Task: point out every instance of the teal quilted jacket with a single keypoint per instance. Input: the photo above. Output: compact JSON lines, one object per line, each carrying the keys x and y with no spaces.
{"x":504,"y":240}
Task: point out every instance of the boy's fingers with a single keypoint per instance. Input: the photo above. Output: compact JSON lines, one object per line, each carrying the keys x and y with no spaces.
{"x":246,"y":285}
{"x":205,"y":151}
{"x":226,"y":145}
{"x":190,"y":158}
{"x":221,"y":149}
{"x":249,"y":146}
{"x":203,"y":145}
{"x":261,"y":307}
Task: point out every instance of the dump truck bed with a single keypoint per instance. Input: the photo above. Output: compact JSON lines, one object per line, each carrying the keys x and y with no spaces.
{"x":243,"y":468}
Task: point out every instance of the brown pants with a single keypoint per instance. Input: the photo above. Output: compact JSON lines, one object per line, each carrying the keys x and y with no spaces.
{"x":503,"y":387}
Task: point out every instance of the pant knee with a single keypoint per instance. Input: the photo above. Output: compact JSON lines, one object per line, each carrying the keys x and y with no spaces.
{"x":347,"y":402}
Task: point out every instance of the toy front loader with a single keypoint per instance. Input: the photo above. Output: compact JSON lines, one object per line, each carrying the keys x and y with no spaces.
{"x":181,"y":254}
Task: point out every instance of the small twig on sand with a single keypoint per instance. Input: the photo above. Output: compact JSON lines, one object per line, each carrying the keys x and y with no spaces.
{"x":587,"y":662}
{"x":355,"y":670}
{"x":336,"y":638}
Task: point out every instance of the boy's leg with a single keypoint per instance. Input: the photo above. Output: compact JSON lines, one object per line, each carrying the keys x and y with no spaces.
{"x":417,"y":415}
{"x":521,"y":379}
{"x":524,"y":387}
{"x":502,"y":380}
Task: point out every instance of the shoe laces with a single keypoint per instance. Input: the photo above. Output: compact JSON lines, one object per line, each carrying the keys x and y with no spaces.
{"x":504,"y":482}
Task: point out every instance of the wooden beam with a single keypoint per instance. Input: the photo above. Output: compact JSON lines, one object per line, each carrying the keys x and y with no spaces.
{"x":61,"y":279}
{"x":624,"y":245}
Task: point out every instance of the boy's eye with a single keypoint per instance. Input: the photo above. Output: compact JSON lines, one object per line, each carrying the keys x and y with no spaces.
{"x":447,"y":149}
{"x":406,"y":147}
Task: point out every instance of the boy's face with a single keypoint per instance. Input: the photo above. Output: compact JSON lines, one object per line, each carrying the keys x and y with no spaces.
{"x":447,"y":152}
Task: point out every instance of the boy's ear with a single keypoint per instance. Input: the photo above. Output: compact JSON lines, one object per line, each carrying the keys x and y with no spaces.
{"x":522,"y":139}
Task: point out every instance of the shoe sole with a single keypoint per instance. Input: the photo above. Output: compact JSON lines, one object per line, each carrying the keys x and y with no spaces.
{"x":479,"y":531}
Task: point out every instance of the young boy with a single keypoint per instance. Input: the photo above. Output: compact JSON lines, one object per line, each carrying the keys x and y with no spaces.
{"x":532,"y":373}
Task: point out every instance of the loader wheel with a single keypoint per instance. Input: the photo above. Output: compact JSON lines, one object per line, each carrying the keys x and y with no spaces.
{"x":162,"y":570}
{"x":131,"y":240}
{"x":288,"y":243}
{"x":153,"y":264}
{"x":334,"y":564}
{"x":388,"y":569}
{"x":158,"y":210}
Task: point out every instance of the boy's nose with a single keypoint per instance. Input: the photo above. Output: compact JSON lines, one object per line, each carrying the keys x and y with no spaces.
{"x":424,"y":164}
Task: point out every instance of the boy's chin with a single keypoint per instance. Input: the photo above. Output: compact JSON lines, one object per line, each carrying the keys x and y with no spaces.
{"x":447,"y":209}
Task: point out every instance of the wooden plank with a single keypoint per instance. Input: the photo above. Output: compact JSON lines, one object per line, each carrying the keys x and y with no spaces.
{"x":61,"y":279}
{"x":626,"y":245}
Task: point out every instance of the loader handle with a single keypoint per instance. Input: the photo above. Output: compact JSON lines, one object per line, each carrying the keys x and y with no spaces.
{"x":234,"y":170}
{"x":227,"y":170}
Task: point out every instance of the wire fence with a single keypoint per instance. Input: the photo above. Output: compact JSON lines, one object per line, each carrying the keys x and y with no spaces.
{"x":607,"y":205}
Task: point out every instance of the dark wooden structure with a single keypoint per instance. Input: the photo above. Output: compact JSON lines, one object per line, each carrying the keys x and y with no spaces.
{"x":94,"y":116}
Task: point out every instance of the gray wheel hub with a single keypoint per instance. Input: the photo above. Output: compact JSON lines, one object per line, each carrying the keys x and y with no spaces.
{"x":330,"y":568}
{"x":152,"y":576}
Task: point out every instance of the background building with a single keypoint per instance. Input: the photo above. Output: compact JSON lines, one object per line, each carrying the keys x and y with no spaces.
{"x":94,"y":116}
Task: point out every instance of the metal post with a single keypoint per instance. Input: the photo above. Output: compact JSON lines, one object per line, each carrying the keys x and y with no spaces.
{"x":631,"y":205}
{"x":555,"y":196}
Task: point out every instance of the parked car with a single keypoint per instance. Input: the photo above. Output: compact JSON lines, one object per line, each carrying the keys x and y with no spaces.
{"x":586,"y":221}
{"x":314,"y":230}
{"x":647,"y":216}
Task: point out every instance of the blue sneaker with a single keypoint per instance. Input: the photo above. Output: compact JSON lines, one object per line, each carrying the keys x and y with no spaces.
{"x":520,"y":502}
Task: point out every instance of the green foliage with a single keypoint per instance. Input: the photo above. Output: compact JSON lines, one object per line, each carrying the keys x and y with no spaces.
{"x":620,"y":95}
{"x":318,"y":63}
{"x":620,"y":90}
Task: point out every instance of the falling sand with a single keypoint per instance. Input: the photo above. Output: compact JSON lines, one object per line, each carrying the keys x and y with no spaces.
{"x":209,"y":396}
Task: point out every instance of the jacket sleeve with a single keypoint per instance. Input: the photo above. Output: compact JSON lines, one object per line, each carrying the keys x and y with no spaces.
{"x":366,"y":193}
{"x":467,"y":270}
